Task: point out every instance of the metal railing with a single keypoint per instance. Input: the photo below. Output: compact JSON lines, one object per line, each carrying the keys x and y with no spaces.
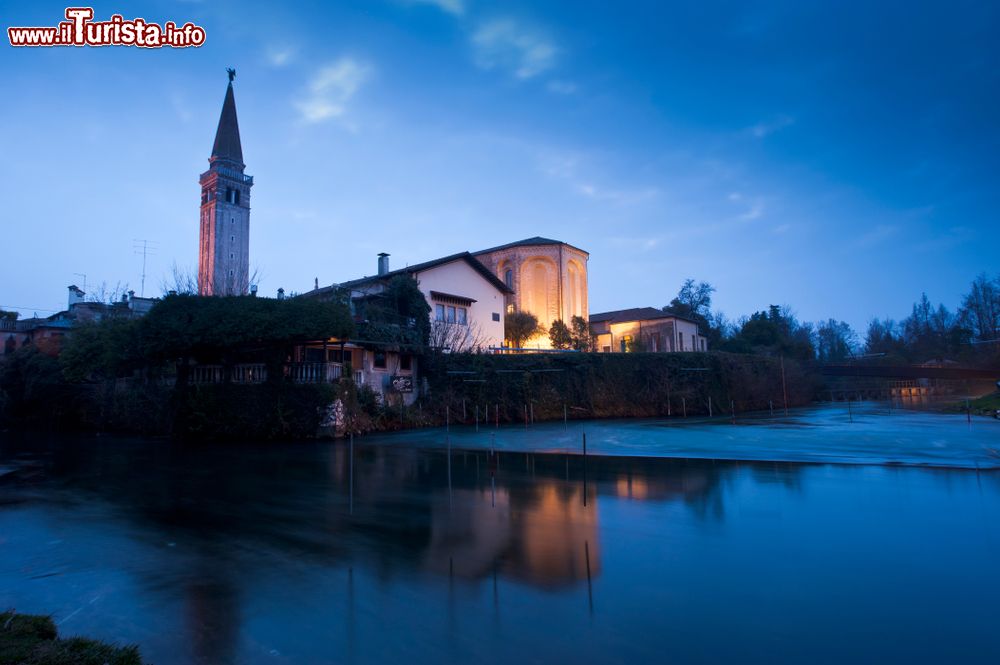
{"x":249,"y":373}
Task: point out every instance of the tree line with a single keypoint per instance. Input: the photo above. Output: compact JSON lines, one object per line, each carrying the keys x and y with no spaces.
{"x":931,"y":333}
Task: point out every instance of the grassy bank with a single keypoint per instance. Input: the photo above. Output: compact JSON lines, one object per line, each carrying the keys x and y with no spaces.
{"x":27,"y":639}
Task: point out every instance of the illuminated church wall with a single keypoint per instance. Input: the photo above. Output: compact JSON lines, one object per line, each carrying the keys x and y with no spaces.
{"x":549,"y":279}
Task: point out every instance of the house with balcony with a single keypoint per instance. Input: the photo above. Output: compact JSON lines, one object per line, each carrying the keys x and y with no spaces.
{"x":466,"y":310}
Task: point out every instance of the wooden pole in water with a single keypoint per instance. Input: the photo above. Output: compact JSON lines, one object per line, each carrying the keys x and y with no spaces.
{"x":565,"y":416}
{"x":709,"y":406}
{"x":968,"y":410}
{"x":784,"y":389}
{"x":732,"y":405}
{"x":477,"y":418}
{"x":525,"y":416}
{"x":684,"y":407}
{"x":498,"y":415}
{"x":350,"y":475}
{"x":447,"y":419}
{"x":532,"y":413}
{"x":770,"y":405}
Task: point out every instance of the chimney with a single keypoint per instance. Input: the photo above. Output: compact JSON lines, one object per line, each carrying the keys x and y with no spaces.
{"x":383,"y":263}
{"x":281,"y":294}
{"x":75,"y":295}
{"x":253,"y":290}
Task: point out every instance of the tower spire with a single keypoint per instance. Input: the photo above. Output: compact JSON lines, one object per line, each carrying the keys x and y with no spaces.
{"x":227,"y":146}
{"x":224,"y":249}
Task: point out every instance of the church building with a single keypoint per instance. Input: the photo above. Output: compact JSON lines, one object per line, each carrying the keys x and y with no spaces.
{"x":224,"y":247}
{"x":548,"y":279}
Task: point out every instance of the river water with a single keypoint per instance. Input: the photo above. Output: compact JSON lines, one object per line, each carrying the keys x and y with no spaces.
{"x":290,"y":554}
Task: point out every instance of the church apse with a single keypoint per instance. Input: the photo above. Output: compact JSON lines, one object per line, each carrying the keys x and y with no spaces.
{"x":549,"y":279}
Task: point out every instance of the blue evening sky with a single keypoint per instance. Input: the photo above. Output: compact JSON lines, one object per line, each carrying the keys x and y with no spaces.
{"x":837,"y":158}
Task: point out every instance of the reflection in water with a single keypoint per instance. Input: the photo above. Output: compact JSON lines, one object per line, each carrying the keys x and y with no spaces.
{"x":253,"y":553}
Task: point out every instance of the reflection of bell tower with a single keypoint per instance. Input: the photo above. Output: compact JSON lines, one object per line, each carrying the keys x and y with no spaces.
{"x":224,"y":248}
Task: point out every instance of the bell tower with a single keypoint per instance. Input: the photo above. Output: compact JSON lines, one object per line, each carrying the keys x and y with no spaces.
{"x":224,"y":247}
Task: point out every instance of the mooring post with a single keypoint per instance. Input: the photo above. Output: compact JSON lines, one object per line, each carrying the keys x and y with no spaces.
{"x":350,"y":475}
{"x":447,"y":419}
{"x":525,"y":416}
{"x":464,"y":419}
{"x":684,"y":407}
{"x":709,"y":406}
{"x":532,"y":413}
{"x":498,"y":415}
{"x":968,"y":410}
{"x":784,"y":389}
{"x":565,"y":417}
{"x":477,"y":418}
{"x":732,"y":405}
{"x":770,"y":405}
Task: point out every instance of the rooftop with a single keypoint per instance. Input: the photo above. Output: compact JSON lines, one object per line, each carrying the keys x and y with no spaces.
{"x":530,"y":242}
{"x":635,"y":314}
{"x":420,"y":267}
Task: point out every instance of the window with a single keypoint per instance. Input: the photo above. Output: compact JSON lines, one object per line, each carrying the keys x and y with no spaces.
{"x":680,"y":341}
{"x":232,"y":238}
{"x":204,"y":196}
{"x":510,"y":308}
{"x":232,"y":256}
{"x":378,"y":360}
{"x":462,"y":316}
{"x":439,"y":312}
{"x":451,"y":314}
{"x":496,"y":316}
{"x":405,"y":361}
{"x":508,"y":278}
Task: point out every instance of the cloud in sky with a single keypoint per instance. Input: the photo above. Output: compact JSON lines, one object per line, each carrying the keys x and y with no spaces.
{"x":768,"y":127}
{"x":508,"y":45}
{"x":332,"y":88}
{"x":279,"y":56}
{"x":454,"y":7}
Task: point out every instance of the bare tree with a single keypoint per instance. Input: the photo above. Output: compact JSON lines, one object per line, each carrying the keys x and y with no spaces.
{"x":980,"y":310}
{"x":457,"y":338}
{"x":108,"y":295}
{"x":179,"y":281}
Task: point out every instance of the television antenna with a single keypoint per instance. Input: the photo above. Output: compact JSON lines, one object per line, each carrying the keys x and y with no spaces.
{"x":146,"y":248}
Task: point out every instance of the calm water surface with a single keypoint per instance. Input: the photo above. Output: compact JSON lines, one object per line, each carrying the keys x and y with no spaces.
{"x":262,"y":554}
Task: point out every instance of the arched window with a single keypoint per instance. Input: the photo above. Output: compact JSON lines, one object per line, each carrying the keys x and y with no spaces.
{"x":508,"y":278}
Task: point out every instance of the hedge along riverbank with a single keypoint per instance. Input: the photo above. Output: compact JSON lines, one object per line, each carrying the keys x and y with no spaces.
{"x":593,"y":385}
{"x":541,"y":386}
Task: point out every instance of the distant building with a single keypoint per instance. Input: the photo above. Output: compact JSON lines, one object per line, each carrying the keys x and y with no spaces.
{"x":645,"y":329}
{"x":47,"y":333}
{"x":224,"y":245}
{"x":548,"y":278}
